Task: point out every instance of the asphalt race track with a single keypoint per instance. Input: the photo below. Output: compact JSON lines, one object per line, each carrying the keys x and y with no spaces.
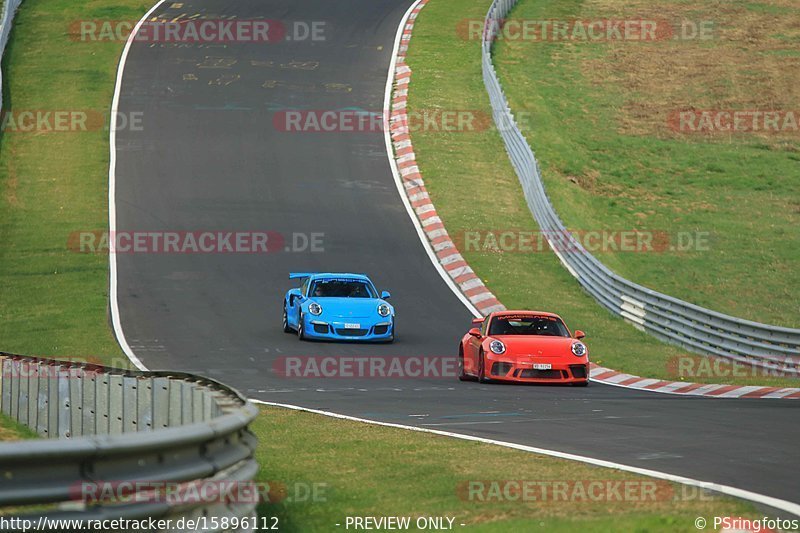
{"x":209,"y":158}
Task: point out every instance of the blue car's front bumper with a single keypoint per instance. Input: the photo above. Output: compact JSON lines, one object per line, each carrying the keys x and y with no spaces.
{"x":319,"y":328}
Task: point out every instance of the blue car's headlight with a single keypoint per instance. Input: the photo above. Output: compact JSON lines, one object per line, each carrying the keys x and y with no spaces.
{"x":314,"y":308}
{"x":384,"y":310}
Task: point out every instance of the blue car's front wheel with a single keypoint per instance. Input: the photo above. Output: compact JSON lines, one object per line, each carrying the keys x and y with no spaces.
{"x":286,"y":328}
{"x":301,"y":334}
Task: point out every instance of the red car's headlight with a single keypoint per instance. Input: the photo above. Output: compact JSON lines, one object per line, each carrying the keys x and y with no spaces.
{"x":579,"y":349}
{"x":497,"y":347}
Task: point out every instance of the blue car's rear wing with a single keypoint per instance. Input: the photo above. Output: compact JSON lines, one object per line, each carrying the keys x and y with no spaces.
{"x":296,"y":275}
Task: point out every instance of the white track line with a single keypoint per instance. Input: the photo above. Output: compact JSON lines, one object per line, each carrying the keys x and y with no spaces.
{"x":112,"y":192}
{"x":769,"y":501}
{"x":387,"y":107}
{"x":439,"y":264}
{"x":724,"y":489}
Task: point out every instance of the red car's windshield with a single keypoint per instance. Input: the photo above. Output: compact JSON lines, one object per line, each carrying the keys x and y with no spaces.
{"x":528,"y":325}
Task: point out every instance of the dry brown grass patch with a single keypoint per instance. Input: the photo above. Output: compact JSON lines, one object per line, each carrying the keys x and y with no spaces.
{"x":750,"y":64}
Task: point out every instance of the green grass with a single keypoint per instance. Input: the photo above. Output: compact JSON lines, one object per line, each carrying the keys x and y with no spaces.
{"x":10,"y":429}
{"x":320,"y":470}
{"x":474,"y":187}
{"x":599,"y":127}
{"x":367,"y":470}
{"x":53,"y":302}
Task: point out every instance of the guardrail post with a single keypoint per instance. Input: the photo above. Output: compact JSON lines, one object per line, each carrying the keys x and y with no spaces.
{"x":162,"y":403}
{"x":130,"y":404}
{"x":103,"y":403}
{"x":116,"y":404}
{"x":89,"y":403}
{"x":186,"y":404}
{"x":144,"y":404}
{"x":63,"y":386}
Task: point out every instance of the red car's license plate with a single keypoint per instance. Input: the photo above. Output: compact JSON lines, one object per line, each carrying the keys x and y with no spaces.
{"x":542,"y":366}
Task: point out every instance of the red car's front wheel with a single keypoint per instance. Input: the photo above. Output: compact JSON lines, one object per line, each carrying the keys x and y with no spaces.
{"x":482,"y":368}
{"x":462,"y":375}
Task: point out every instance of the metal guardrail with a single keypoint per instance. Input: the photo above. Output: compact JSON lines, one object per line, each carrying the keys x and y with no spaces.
{"x":107,"y":426}
{"x":670,"y":319}
{"x":6,"y":19}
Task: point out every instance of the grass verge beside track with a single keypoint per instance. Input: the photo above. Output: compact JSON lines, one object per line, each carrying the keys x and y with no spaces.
{"x":601,"y":118}
{"x":367,"y":470}
{"x":472,"y":183}
{"x":53,"y":302}
{"x":12,"y":430}
{"x":357,"y":469}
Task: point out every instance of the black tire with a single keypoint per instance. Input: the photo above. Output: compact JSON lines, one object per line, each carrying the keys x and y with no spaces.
{"x":286,"y":328}
{"x":482,"y":368}
{"x":462,"y":375}
{"x":301,"y":334}
{"x":582,"y":384}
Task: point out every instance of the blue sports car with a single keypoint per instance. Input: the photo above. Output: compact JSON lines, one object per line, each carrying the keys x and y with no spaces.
{"x":337,"y":307}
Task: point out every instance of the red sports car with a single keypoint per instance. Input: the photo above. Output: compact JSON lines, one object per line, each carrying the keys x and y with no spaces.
{"x":523,"y":346}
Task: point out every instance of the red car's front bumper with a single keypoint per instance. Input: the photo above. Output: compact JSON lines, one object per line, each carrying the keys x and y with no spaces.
{"x":532,"y":369}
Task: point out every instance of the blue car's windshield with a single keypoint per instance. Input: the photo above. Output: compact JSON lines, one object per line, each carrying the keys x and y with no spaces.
{"x":339,"y":288}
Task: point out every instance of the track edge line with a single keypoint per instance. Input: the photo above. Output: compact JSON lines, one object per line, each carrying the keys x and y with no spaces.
{"x":113,"y":296}
{"x":387,"y":103}
{"x":769,"y":501}
{"x":485,"y":299}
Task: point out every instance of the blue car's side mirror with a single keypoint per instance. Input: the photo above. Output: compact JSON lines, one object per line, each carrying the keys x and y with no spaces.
{"x":385,"y":295}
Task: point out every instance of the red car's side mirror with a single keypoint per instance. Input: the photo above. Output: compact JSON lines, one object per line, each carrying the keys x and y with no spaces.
{"x":477,"y":321}
{"x":579,"y":334}
{"x":475,"y":332}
